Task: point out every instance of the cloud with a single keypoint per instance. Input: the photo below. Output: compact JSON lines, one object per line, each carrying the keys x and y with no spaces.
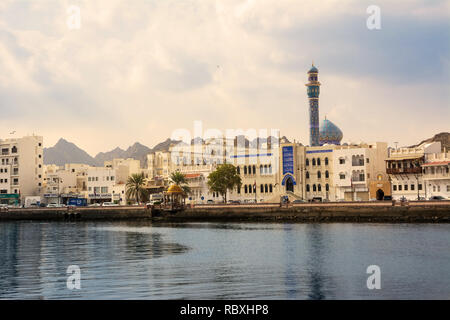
{"x":137,"y":70}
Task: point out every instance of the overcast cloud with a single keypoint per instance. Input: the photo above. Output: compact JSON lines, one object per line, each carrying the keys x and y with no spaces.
{"x":137,"y":70}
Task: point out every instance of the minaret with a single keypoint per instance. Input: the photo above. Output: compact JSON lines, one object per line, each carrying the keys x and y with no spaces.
{"x":313,"y":96}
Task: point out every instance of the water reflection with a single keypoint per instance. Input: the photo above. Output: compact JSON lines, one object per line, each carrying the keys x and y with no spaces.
{"x":141,"y":260}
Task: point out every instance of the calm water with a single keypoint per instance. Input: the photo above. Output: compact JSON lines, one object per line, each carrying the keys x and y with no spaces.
{"x":224,"y":260}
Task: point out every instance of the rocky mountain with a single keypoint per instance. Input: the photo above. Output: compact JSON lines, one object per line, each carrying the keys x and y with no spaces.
{"x":136,"y":151}
{"x":443,"y":137}
{"x":67,"y":152}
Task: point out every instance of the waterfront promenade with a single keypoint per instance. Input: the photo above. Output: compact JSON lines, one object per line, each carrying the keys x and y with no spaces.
{"x":383,"y":211}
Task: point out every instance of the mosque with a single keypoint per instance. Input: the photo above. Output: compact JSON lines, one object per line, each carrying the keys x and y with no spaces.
{"x":328,"y":132}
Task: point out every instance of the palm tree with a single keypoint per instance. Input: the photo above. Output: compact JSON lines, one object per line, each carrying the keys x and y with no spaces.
{"x":135,"y":187}
{"x":180,"y":180}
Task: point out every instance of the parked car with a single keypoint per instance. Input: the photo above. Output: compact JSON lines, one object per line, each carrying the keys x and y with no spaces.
{"x":236,"y":202}
{"x":95,"y":205}
{"x":316,"y":199}
{"x":437,"y":198}
{"x":299,"y":201}
{"x":109,"y":204}
{"x":54,"y":205}
{"x":387,"y":198}
{"x":42,"y":205}
{"x":210,"y":201}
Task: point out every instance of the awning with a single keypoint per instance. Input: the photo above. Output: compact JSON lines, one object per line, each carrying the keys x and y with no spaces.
{"x":192,"y":175}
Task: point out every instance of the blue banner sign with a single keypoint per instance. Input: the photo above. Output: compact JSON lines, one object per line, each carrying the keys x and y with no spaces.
{"x":288,"y":160}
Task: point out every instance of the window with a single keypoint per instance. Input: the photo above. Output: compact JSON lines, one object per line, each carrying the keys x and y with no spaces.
{"x":262,"y":188}
{"x":399,"y":187}
{"x":412,"y":187}
{"x":307,"y":162}
{"x":270,"y":188}
{"x":319,"y":188}
{"x":342,"y":176}
{"x":307,"y":188}
{"x":245,"y":171}
{"x":361,"y":177}
{"x":314,"y":187}
{"x":307,"y":175}
{"x":326,"y":161}
{"x":327,"y":187}
{"x":238,"y":170}
{"x":313,"y":162}
{"x":318,"y":161}
{"x":327,"y":174}
{"x":112,"y":178}
{"x":245,"y":188}
{"x":448,"y":188}
{"x":239,"y":190}
{"x":367,"y":160}
{"x":419,"y":186}
{"x":341,"y":161}
{"x":265,"y":188}
{"x":434,"y":188}
{"x":14,"y":149}
{"x":394,"y":187}
{"x":319,"y":175}
{"x":406,"y":187}
{"x":250,"y":188}
{"x":254,"y":169}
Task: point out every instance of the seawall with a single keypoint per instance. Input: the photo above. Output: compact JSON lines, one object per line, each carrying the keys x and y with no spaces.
{"x":324,"y":212}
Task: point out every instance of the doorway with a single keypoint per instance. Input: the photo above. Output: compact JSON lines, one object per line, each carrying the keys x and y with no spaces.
{"x":380,"y":194}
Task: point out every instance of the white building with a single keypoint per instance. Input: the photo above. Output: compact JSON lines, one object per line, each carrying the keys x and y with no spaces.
{"x":436,"y":175}
{"x":404,"y":167}
{"x":355,"y":167}
{"x":101,"y":182}
{"x":21,"y":168}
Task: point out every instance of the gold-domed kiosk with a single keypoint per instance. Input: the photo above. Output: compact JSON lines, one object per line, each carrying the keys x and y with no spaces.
{"x":174,"y":197}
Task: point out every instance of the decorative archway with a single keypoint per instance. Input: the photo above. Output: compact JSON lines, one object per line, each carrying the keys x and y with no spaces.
{"x":380,"y":194}
{"x":289,"y":184}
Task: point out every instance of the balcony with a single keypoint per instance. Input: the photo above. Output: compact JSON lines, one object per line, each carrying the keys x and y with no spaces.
{"x":403,"y":170}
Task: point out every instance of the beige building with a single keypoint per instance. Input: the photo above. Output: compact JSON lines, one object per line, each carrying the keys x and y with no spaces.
{"x":21,"y":168}
{"x":404,"y":167}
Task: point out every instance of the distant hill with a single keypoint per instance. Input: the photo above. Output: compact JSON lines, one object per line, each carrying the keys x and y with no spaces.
{"x":443,"y":137}
{"x":67,"y":152}
{"x":136,"y":151}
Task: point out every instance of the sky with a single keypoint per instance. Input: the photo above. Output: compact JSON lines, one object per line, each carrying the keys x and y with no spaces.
{"x":138,"y":70}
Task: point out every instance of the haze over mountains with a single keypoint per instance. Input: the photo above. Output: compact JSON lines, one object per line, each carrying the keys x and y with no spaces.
{"x":67,"y":152}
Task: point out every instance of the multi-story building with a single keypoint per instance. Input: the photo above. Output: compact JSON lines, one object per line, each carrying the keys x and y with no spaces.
{"x":436,"y":175}
{"x":404,"y":167}
{"x":21,"y":172}
{"x":359,"y":172}
{"x":100,"y":184}
{"x":318,"y":167}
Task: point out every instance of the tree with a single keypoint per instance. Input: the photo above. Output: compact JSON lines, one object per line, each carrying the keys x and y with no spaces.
{"x":180,"y":180}
{"x":135,"y":187}
{"x":224,"y":178}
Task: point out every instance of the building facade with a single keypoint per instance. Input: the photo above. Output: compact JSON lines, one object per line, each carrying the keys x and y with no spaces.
{"x":436,"y":175}
{"x":21,"y":168}
{"x":404,"y":167}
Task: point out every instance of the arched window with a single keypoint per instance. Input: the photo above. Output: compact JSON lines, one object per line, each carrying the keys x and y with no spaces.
{"x":262,"y":188}
{"x":270,"y":168}
{"x":327,"y":187}
{"x":238,"y":170}
{"x":307,"y":188}
{"x":314,"y":187}
{"x":319,"y":188}
{"x":245,"y":169}
{"x":327,"y":174}
{"x":319,"y":175}
{"x":239,"y":189}
{"x":254,"y":169}
{"x":265,"y":168}
{"x":307,"y":162}
{"x":245,"y":189}
{"x":270,"y":188}
{"x":261,"y":171}
{"x":265,"y":187}
{"x":318,"y":161}
{"x":326,"y":161}
{"x":313,"y":162}
{"x":14,"y":149}
{"x":307,"y":175}
{"x":250,"y":188}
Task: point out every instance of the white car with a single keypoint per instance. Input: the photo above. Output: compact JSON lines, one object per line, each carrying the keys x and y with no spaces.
{"x":54,"y":205}
{"x":95,"y":205}
{"x":109,"y":204}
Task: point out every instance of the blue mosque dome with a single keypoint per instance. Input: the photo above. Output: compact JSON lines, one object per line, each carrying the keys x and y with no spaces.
{"x":329,"y":133}
{"x":313,"y":70}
